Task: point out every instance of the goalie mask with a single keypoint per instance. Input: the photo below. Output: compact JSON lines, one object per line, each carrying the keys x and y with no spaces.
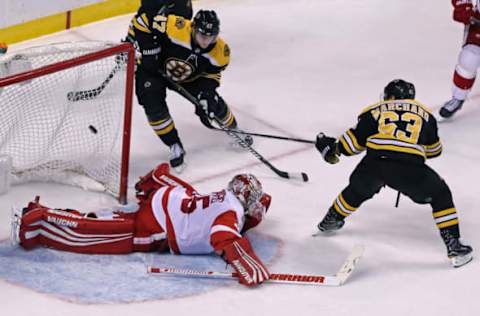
{"x":249,"y":192}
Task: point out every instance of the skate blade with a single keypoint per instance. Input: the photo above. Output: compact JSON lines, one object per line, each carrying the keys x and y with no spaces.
{"x":324,"y":233}
{"x":459,"y":261}
{"x":15,"y":222}
{"x":444,"y":120}
{"x":180,"y":169}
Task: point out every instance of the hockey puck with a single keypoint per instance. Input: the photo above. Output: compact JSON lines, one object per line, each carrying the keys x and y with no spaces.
{"x":92,"y":129}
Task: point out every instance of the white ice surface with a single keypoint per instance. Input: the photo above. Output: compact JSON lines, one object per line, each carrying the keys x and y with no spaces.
{"x":299,"y":67}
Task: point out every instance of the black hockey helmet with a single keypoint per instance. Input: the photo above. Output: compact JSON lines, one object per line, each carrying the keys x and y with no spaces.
{"x":399,"y":89}
{"x":206,"y":22}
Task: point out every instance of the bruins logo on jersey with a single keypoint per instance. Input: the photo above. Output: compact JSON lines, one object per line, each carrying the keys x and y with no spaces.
{"x":180,"y":23}
{"x":178,"y":69}
{"x":226,"y":51}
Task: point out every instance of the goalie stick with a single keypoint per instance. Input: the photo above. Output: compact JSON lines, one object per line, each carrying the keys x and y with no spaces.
{"x":90,"y":94}
{"x":288,"y":175}
{"x":320,"y":280}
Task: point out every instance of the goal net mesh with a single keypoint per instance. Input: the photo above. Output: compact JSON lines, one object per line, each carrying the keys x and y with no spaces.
{"x":57,"y":126}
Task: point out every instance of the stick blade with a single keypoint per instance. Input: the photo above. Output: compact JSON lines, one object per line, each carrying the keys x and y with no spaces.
{"x":302,"y":176}
{"x":350,"y":263}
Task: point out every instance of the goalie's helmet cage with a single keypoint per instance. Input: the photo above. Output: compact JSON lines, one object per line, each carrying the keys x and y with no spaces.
{"x":399,"y":89}
{"x":206,"y":22}
{"x":246,"y":188}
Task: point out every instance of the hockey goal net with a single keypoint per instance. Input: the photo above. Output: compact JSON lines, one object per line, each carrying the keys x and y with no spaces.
{"x":66,"y":114}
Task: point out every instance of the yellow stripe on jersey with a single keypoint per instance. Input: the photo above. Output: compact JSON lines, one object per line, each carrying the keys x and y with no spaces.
{"x":220,"y":54}
{"x":386,"y":142}
{"x":433,"y":150}
{"x":446,"y":218}
{"x":345,"y":145}
{"x":131,"y":31}
{"x":355,"y":141}
{"x":395,"y":148}
{"x":139,"y":24}
{"x":350,"y":143}
{"x":179,"y":31}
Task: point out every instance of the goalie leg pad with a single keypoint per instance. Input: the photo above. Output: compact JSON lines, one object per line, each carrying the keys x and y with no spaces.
{"x":69,"y":231}
{"x":149,"y":235}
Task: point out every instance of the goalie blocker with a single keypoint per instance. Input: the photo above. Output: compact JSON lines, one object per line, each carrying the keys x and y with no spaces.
{"x":171,"y":215}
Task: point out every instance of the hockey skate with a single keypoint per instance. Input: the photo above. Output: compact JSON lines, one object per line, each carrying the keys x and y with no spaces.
{"x":450,"y":107}
{"x":331,"y":222}
{"x":177,"y":155}
{"x":458,"y":253}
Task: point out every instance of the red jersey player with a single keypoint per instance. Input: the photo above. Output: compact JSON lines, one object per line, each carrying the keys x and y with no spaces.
{"x":469,"y":58}
{"x":171,"y":215}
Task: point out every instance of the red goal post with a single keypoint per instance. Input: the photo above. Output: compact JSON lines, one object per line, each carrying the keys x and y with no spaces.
{"x":66,"y":114}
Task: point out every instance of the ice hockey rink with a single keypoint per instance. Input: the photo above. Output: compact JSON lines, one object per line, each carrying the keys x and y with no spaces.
{"x":298,"y":67}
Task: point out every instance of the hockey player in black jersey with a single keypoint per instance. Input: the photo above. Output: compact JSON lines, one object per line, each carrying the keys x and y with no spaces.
{"x":181,"y":8}
{"x":398,"y":134}
{"x":191,"y":54}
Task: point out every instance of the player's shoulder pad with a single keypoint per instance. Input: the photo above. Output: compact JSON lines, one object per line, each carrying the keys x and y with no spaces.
{"x":424,"y":107}
{"x":220,"y":54}
{"x":141,"y":22}
{"x":370,"y":107}
{"x":179,"y":30}
{"x":410,"y":101}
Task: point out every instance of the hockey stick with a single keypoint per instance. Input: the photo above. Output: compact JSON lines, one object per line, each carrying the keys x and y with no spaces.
{"x":288,"y":175}
{"x":324,"y":280}
{"x":397,"y":201}
{"x":268,"y":136}
{"x":93,"y":93}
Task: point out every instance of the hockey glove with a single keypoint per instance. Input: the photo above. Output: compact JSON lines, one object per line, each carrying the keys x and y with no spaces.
{"x":209,"y":102}
{"x":463,"y":10}
{"x":247,"y":265}
{"x":327,"y":146}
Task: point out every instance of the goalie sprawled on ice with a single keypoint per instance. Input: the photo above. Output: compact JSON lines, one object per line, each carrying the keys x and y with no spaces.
{"x":171,"y":215}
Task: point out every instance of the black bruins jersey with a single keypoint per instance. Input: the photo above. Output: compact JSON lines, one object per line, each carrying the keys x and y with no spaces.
{"x":176,"y":7}
{"x":398,"y":129}
{"x":165,"y":43}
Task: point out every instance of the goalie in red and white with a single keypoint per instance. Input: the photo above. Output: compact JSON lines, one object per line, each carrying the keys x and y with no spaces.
{"x":171,"y":215}
{"x":466,"y":12}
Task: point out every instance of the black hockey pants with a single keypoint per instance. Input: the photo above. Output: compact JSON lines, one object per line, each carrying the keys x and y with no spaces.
{"x":417,"y":181}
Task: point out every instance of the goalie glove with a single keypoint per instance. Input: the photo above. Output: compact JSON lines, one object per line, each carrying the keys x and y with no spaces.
{"x":248,"y":266}
{"x":156,"y":179}
{"x":463,"y":10}
{"x":327,"y":146}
